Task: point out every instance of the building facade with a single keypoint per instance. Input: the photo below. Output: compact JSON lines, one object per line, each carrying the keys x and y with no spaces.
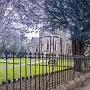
{"x":51,"y":43}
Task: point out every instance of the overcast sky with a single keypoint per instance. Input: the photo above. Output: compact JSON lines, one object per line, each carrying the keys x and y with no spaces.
{"x":33,"y":34}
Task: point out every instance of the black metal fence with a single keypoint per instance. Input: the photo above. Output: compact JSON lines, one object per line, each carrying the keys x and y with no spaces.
{"x":37,"y":71}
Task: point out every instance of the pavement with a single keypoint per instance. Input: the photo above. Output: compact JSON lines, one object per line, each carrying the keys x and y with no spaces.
{"x":86,"y":85}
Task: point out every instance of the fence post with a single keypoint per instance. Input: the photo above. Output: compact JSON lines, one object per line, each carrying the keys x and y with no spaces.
{"x":20,"y":70}
{"x":13,"y":71}
{"x":6,"y":57}
{"x":30,"y":56}
{"x":26,"y":71}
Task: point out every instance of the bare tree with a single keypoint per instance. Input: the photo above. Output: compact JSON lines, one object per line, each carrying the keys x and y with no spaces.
{"x":16,"y":16}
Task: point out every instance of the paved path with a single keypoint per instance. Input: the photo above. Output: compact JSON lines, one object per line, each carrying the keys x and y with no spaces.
{"x":86,"y":87}
{"x":32,"y":63}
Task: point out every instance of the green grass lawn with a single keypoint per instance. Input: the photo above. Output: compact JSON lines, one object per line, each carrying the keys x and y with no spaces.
{"x":35,"y":69}
{"x":16,"y":62}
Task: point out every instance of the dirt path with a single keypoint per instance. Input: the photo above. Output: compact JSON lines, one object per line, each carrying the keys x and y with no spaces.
{"x":86,"y":86}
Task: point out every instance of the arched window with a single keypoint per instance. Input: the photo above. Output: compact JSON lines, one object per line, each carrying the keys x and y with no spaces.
{"x":37,"y":49}
{"x":47,"y":45}
{"x":41,"y":46}
{"x":70,"y":50}
{"x":55,"y":46}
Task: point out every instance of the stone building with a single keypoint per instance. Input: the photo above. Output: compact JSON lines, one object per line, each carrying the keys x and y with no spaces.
{"x":34,"y":45}
{"x":51,"y":43}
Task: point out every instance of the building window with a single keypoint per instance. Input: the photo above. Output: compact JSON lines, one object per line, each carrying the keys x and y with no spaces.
{"x":47,"y":45}
{"x":41,"y":47}
{"x":70,"y":50}
{"x":55,"y":46}
{"x":37,"y":49}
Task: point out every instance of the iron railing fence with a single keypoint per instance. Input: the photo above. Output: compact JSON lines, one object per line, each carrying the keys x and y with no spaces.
{"x":37,"y":71}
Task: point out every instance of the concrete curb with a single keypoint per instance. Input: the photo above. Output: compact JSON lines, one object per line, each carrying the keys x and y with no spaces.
{"x":71,"y":85}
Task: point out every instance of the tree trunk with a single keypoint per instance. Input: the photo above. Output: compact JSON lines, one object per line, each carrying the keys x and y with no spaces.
{"x":78,"y":52}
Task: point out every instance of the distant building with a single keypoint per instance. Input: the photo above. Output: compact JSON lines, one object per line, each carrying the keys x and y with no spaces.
{"x":49,"y":43}
{"x":34,"y":45}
